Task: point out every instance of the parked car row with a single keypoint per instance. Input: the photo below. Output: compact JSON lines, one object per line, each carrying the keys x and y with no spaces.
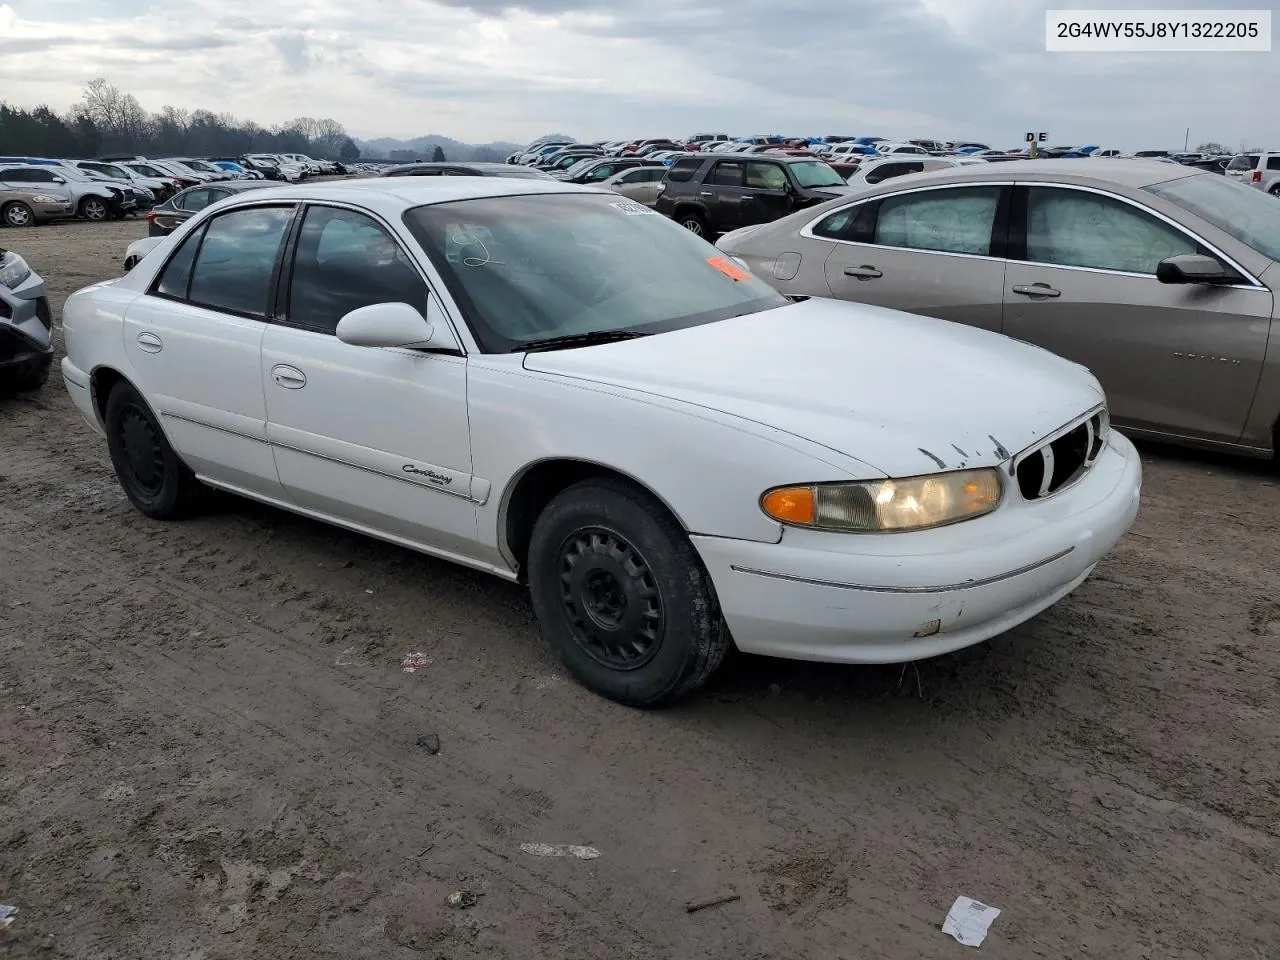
{"x":1149,"y":286}
{"x":35,"y":190}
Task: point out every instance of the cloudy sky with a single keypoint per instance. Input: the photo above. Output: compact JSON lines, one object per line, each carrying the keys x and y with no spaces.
{"x":484,"y":70}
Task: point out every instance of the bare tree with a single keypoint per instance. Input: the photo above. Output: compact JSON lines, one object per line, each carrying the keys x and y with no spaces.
{"x":328,"y":138}
{"x":117,"y":115}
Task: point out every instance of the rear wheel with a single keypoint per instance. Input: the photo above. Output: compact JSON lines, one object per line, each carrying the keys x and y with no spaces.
{"x":1275,"y":190}
{"x":156,"y":482}
{"x":94,"y":208}
{"x":18,"y":214}
{"x":622,"y":596}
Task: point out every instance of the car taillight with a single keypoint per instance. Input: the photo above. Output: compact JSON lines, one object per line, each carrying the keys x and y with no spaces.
{"x":1257,"y":176}
{"x":151,"y":216}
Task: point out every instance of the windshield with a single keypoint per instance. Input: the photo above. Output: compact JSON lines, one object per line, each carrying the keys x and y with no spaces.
{"x":527,"y":268}
{"x":75,"y":173}
{"x":581,"y":165}
{"x":1232,"y":207}
{"x":145,"y":170}
{"x":113,"y":171}
{"x":201,"y":165}
{"x":816,"y":173}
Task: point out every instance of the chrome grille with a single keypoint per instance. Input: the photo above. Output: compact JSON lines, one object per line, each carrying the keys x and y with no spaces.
{"x":1060,"y":462}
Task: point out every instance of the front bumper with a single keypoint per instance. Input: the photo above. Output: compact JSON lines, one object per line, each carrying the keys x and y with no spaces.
{"x":26,"y":329}
{"x":892,"y":598}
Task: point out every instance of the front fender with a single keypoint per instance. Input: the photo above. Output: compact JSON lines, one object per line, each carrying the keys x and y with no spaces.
{"x":709,"y":468}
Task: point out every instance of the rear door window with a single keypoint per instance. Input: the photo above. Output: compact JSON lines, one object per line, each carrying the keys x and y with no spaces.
{"x":728,"y":173}
{"x":193,"y":200}
{"x":955,"y":220}
{"x":1243,"y":162}
{"x":175,"y":278}
{"x":683,"y":170}
{"x":237,"y":259}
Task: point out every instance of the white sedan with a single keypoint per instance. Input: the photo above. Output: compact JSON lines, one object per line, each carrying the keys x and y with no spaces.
{"x":555,"y":385}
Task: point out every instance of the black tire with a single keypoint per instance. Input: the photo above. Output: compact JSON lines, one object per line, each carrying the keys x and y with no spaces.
{"x":94,"y":208}
{"x":1275,"y":190}
{"x":695,"y":223}
{"x":622,"y":596}
{"x":154,"y":479}
{"x":33,"y":381}
{"x":18,"y":214}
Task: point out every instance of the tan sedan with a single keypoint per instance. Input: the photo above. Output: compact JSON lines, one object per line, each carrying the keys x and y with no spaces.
{"x":1156,"y":277}
{"x":24,"y":205}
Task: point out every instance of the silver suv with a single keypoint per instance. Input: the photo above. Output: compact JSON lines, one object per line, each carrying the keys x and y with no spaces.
{"x":1260,"y":170}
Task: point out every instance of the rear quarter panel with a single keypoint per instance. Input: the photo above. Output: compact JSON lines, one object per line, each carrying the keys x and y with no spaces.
{"x":93,"y":331}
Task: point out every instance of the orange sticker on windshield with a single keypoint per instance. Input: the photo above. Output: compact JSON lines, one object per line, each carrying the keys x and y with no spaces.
{"x":729,"y":268}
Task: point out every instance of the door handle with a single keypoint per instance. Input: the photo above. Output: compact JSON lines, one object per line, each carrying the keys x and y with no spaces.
{"x":1036,"y":290}
{"x":864,"y":272}
{"x":291,"y":378}
{"x":746,"y":199}
{"x":150,"y":343}
{"x":706,"y":193}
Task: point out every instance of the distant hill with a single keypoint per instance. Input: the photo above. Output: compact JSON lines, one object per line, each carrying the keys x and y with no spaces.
{"x":422,"y":148}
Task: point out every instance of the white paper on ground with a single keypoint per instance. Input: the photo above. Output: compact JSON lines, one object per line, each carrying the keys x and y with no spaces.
{"x":560,"y":850}
{"x":968,"y":921}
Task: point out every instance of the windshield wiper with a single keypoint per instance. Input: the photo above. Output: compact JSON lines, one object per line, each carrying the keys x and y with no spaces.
{"x":577,"y":340}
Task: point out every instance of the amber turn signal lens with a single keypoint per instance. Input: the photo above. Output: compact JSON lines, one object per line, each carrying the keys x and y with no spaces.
{"x":790,"y":504}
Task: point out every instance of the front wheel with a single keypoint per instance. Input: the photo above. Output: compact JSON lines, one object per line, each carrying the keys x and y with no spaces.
{"x":94,"y":208}
{"x":156,"y":482}
{"x":695,"y":223}
{"x":622,"y":596}
{"x":17,"y":214}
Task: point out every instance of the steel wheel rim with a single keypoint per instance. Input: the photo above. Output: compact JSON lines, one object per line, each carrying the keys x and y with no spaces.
{"x":143,"y":452}
{"x":610,"y":599}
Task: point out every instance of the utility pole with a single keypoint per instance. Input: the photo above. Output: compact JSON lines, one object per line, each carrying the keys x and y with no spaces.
{"x":1187,"y":141}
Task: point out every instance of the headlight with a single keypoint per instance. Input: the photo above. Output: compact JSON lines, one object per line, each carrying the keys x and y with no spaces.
{"x":13,"y":270}
{"x":45,"y":198}
{"x":874,"y":506}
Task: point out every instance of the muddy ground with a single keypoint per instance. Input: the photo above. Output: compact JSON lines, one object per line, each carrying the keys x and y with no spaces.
{"x":209,"y":750}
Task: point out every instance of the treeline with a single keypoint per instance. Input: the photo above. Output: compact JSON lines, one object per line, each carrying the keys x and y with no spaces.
{"x":107,"y":120}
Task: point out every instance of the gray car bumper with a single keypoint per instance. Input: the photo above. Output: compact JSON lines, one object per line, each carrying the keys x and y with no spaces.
{"x":26,"y":329}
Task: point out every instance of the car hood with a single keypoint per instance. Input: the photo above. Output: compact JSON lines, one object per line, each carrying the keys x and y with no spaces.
{"x":902,"y":393}
{"x":833,"y":191}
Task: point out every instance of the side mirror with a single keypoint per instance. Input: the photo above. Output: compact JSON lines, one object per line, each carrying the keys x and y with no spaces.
{"x":1193,"y":268}
{"x":57,"y":179}
{"x":397,"y":325}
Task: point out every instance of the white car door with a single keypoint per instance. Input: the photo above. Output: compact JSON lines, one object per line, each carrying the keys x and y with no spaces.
{"x":377,"y":437}
{"x":194,"y":342}
{"x":640,"y":184}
